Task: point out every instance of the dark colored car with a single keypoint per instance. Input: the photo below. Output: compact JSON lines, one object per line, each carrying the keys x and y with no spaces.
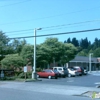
{"x":62,"y":71}
{"x":47,"y":73}
{"x":57,"y":72}
{"x":84,"y":71}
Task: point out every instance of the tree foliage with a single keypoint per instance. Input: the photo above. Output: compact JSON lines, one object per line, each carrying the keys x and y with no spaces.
{"x":53,"y":50}
{"x":13,"y":61}
{"x":85,"y":46}
{"x":96,"y":52}
{"x":4,"y":40}
{"x":27,"y":54}
{"x":16,"y":46}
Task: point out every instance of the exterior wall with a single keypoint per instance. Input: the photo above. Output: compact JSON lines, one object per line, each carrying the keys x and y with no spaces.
{"x":94,"y":66}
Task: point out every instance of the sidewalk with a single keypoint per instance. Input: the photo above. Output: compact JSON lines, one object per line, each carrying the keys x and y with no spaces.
{"x":97,"y":73}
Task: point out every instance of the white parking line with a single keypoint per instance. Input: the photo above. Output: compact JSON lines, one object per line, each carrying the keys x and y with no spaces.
{"x":97,"y":83}
{"x":70,"y":81}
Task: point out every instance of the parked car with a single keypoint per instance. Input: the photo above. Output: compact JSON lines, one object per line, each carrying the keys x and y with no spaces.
{"x":84,"y":71}
{"x":72,"y":72}
{"x":78,"y":70}
{"x":57,"y":72}
{"x":47,"y":73}
{"x":62,"y":71}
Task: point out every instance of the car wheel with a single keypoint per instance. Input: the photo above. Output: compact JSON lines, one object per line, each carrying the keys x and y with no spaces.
{"x":80,"y":75}
{"x":38,"y":76}
{"x":49,"y":77}
{"x":56,"y":77}
{"x":69,"y":75}
{"x":64,"y":76}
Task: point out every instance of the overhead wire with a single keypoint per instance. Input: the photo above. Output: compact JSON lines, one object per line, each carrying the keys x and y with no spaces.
{"x":14,"y":3}
{"x":81,"y":31}
{"x":56,"y":26}
{"x":49,"y":16}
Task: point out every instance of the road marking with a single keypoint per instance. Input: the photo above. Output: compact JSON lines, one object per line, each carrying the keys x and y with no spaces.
{"x":97,"y":83}
{"x":70,"y":81}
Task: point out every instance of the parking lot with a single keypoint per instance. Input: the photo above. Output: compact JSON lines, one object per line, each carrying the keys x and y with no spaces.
{"x":65,"y":87}
{"x":90,"y":80}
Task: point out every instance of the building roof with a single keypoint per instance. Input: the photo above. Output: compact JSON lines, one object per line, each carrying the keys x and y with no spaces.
{"x":84,"y":59}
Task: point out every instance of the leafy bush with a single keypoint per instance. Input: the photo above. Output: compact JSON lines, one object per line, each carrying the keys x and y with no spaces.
{"x":29,"y":74}
{"x":17,"y":73}
{"x":21,"y":75}
{"x":38,"y":69}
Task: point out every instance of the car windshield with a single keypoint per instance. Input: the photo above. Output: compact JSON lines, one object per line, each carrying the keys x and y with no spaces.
{"x":72,"y":69}
{"x":59,"y":68}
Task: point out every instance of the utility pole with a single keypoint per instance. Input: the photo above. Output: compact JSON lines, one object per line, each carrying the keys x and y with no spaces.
{"x":34,"y":74}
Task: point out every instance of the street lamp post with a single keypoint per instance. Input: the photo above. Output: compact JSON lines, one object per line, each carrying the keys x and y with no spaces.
{"x":90,"y":61}
{"x":34,"y":75}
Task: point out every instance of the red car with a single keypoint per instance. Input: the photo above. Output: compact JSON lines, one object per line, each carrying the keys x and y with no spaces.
{"x":48,"y":73}
{"x":78,"y":70}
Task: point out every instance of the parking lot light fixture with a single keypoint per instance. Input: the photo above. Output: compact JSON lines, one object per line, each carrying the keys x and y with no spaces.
{"x":34,"y":75}
{"x":90,"y":61}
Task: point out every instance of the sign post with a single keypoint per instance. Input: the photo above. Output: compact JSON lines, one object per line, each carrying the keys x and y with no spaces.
{"x":25,"y":71}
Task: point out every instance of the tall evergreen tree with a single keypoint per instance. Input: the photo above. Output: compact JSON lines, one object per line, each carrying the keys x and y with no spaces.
{"x":68,"y":40}
{"x":84,"y":43}
{"x":75,"y":42}
{"x":96,"y":43}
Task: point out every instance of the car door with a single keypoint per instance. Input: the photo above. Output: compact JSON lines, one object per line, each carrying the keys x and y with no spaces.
{"x":42,"y":73}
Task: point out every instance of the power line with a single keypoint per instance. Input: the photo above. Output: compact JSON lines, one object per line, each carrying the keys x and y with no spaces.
{"x":50,"y":16}
{"x":74,"y":23}
{"x":15,"y":3}
{"x":84,"y":22}
{"x":29,"y":32}
{"x":90,"y":30}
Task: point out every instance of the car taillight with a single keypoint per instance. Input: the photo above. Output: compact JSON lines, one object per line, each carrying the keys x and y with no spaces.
{"x":79,"y":70}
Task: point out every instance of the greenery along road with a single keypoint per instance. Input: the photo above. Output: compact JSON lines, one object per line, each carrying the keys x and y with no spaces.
{"x":21,"y":53}
{"x":50,"y":51}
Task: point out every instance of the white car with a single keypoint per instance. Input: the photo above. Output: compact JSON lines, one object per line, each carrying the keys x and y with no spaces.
{"x":72,"y":72}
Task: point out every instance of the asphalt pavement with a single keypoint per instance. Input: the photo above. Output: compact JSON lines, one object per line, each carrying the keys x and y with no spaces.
{"x":13,"y":94}
{"x":66,"y":87}
{"x":84,"y":81}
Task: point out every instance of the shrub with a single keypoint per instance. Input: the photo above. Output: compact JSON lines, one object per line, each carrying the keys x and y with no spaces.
{"x":17,"y":73}
{"x":21,"y":75}
{"x":38,"y":69}
{"x":29,"y":74}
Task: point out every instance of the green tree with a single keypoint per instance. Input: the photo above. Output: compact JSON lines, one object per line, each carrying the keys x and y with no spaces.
{"x":84,"y":52}
{"x":13,"y":61}
{"x":96,"y":44}
{"x":96,"y":52}
{"x":51,"y":50}
{"x":75,"y":42}
{"x":27,"y":54}
{"x":69,"y":40}
{"x":17,"y":45}
{"x":69,"y":52}
{"x":4,"y":41}
{"x":58,"y":51}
